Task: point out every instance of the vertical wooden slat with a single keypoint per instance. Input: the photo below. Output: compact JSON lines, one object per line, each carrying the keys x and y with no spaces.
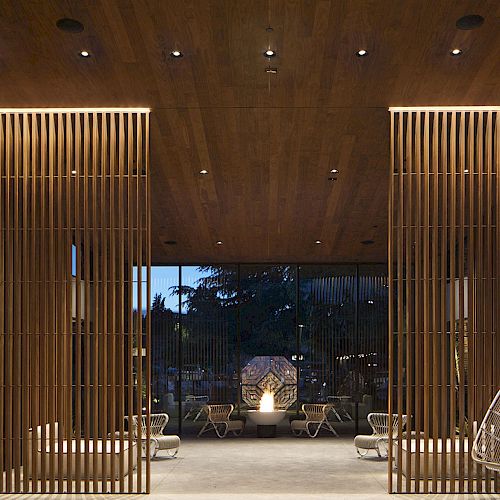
{"x":3,"y":239}
{"x":34,"y":301}
{"x":44,"y":326}
{"x":26,"y":330}
{"x":129,"y":288}
{"x":470,"y":270}
{"x":408,"y":265}
{"x":87,"y":237}
{"x":70,"y":167}
{"x":400,"y":296}
{"x":103,"y":334}
{"x":418,"y":310}
{"x":461,"y":312}
{"x":79,"y":168}
{"x":96,"y":297}
{"x":112,"y":294}
{"x":121,"y":291}
{"x":443,"y":250}
{"x":391,"y":305}
{"x":452,"y":279}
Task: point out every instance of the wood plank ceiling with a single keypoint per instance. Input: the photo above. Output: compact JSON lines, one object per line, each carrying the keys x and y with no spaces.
{"x":268,"y":141}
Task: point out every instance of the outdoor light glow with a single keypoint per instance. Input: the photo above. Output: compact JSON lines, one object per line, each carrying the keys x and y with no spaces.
{"x":267,"y":402}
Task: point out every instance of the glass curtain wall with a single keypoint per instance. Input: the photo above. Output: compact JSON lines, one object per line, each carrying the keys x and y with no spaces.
{"x":329,"y":321}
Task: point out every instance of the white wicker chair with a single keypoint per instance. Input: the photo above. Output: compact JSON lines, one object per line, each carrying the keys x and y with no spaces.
{"x":486,"y":447}
{"x":379,"y":422}
{"x":218,"y":419}
{"x":316,"y":418}
{"x":158,"y":440}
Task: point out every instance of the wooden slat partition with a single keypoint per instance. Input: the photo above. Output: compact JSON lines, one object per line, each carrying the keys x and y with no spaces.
{"x":444,"y":262}
{"x":74,"y":299}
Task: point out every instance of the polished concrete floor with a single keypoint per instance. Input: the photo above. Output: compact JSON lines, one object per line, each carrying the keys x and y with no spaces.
{"x":248,"y":468}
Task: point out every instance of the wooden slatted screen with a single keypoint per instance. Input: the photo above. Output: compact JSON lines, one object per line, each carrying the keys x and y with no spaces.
{"x":74,"y":274}
{"x":444,"y":260}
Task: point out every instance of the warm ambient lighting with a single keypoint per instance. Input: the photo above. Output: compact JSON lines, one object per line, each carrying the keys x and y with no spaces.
{"x":203,"y":172}
{"x":267,"y":402}
{"x":84,"y":53}
{"x":176,"y":53}
{"x":74,"y":110}
{"x":444,"y":108}
{"x":455,"y":52}
{"x":269,"y":53}
{"x":361,"y":53}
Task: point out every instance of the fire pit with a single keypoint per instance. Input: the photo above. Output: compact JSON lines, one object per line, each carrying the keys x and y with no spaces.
{"x":266,"y":417}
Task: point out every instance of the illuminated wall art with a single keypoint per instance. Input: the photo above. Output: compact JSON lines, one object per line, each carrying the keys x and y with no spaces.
{"x":273,"y":373}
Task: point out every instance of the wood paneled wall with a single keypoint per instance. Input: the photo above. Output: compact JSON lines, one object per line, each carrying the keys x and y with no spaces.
{"x":74,"y":271}
{"x":444,"y":260}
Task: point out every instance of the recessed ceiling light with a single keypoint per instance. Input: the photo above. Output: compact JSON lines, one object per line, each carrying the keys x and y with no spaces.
{"x":219,"y":242}
{"x":176,"y":53}
{"x":455,"y":52}
{"x":269,"y":53}
{"x":361,"y":53}
{"x":203,"y":172}
{"x":84,"y":53}
{"x":318,"y":242}
{"x":470,"y":22}
{"x":334,"y":171}
{"x":69,"y":25}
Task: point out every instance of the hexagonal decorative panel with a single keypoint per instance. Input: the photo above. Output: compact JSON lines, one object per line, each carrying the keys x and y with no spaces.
{"x":273,"y":373}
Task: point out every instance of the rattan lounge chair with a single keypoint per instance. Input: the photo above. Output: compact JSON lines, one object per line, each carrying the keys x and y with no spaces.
{"x":486,"y":447}
{"x":218,"y":420}
{"x":316,"y":419}
{"x":379,"y":422}
{"x":157,"y":440}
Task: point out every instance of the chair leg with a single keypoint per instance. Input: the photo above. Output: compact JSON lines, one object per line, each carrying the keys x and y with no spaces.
{"x":331,"y":429}
{"x":204,"y":429}
{"x":361,"y":455}
{"x":223,"y":435}
{"x":173,"y":452}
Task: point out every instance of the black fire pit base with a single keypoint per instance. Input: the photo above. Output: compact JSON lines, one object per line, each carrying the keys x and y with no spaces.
{"x":266,"y":431}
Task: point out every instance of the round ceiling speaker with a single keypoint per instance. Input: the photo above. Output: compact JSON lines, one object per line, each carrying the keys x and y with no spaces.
{"x":470,"y":22}
{"x":69,"y":25}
